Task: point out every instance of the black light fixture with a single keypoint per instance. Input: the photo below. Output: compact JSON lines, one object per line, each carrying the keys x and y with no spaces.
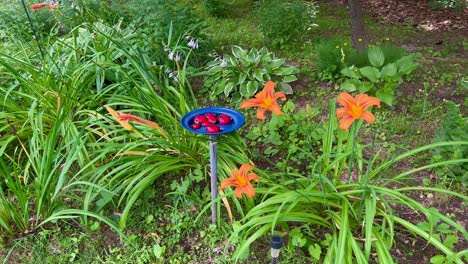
{"x":275,"y":243}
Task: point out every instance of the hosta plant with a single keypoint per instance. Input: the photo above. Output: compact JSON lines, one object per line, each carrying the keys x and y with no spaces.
{"x":380,"y":78}
{"x":243,"y":73}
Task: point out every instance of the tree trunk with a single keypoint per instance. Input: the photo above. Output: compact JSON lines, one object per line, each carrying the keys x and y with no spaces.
{"x":358,"y":31}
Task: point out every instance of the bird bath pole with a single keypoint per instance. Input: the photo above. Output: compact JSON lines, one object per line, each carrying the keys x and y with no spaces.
{"x":192,"y":122}
{"x":214,"y":175}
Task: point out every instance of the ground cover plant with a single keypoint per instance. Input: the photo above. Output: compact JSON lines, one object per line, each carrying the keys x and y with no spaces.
{"x":350,"y":156}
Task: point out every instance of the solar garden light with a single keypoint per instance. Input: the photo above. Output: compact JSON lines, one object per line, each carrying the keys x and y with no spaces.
{"x":275,"y":243}
{"x":212,"y":121}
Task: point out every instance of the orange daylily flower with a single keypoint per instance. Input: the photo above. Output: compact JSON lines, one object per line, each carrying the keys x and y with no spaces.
{"x":124,"y":120}
{"x":355,"y":108}
{"x":36,"y":7}
{"x":265,"y":100}
{"x":241,"y":180}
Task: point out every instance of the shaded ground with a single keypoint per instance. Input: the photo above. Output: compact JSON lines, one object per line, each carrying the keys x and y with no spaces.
{"x":419,"y":14}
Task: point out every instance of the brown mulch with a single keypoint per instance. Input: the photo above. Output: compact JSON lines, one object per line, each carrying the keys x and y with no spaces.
{"x":419,"y":13}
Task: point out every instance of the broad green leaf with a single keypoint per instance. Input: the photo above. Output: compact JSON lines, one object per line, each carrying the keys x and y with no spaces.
{"x":276,"y":63}
{"x":258,"y":75}
{"x":158,"y":251}
{"x":350,"y":72}
{"x":228,"y":88}
{"x":238,"y":52}
{"x":388,"y":71}
{"x":251,"y":88}
{"x":242,"y":77}
{"x":349,"y":86}
{"x":285,"y":71}
{"x":243,"y":90}
{"x":385,"y":96}
{"x":406,"y":64}
{"x":215,"y":69}
{"x":315,"y":251}
{"x":219,"y":88}
{"x":439,"y":259}
{"x":286,"y":88}
{"x":364,"y":87}
{"x":376,"y":56}
{"x":289,"y":78}
{"x":371,"y":73}
{"x":450,"y":240}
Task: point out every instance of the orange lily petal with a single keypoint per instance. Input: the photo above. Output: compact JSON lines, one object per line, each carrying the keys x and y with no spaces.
{"x":275,"y":109}
{"x":268,"y":88}
{"x":241,"y":181}
{"x":369,"y":117}
{"x":116,"y":116}
{"x":355,"y":108}
{"x":252,"y":177}
{"x":228,"y":182}
{"x":36,"y":7}
{"x":279,"y":95}
{"x":261,"y":114}
{"x":265,"y":100}
{"x":340,"y":112}
{"x":345,"y":99}
{"x":254,"y":102}
{"x":248,"y":190}
{"x":245,"y":168}
{"x":346,"y":122}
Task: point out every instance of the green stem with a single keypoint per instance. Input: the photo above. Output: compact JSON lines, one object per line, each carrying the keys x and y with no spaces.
{"x":35,"y":36}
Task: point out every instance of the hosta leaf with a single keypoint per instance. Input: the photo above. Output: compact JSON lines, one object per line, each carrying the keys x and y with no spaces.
{"x":350,"y":72}
{"x":238,"y":52}
{"x":285,"y":87}
{"x":349,"y":85}
{"x":286,"y":71}
{"x":276,"y":63}
{"x":385,"y":96}
{"x":371,"y":73}
{"x":258,"y":75}
{"x":251,"y":88}
{"x":406,"y":64}
{"x":243,"y":89}
{"x":242,"y":77}
{"x":289,"y":78}
{"x":228,"y":88}
{"x":376,"y":56}
{"x":364,"y":87}
{"x":388,"y":71}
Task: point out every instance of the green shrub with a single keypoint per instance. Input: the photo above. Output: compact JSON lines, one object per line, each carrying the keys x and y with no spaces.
{"x":379,"y":77}
{"x":360,"y":58}
{"x":330,"y":58}
{"x":454,"y":128}
{"x":286,"y":135}
{"x":281,"y":21}
{"x":217,"y":8}
{"x":244,"y":72}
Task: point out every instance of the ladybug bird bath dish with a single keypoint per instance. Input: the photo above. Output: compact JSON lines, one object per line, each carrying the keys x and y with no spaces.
{"x":212,"y":121}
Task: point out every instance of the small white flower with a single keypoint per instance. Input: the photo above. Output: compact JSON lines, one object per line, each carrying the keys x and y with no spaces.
{"x":166,"y":49}
{"x":193,"y":44}
{"x":171,"y":55}
{"x":223,"y":63}
{"x":177,"y":57}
